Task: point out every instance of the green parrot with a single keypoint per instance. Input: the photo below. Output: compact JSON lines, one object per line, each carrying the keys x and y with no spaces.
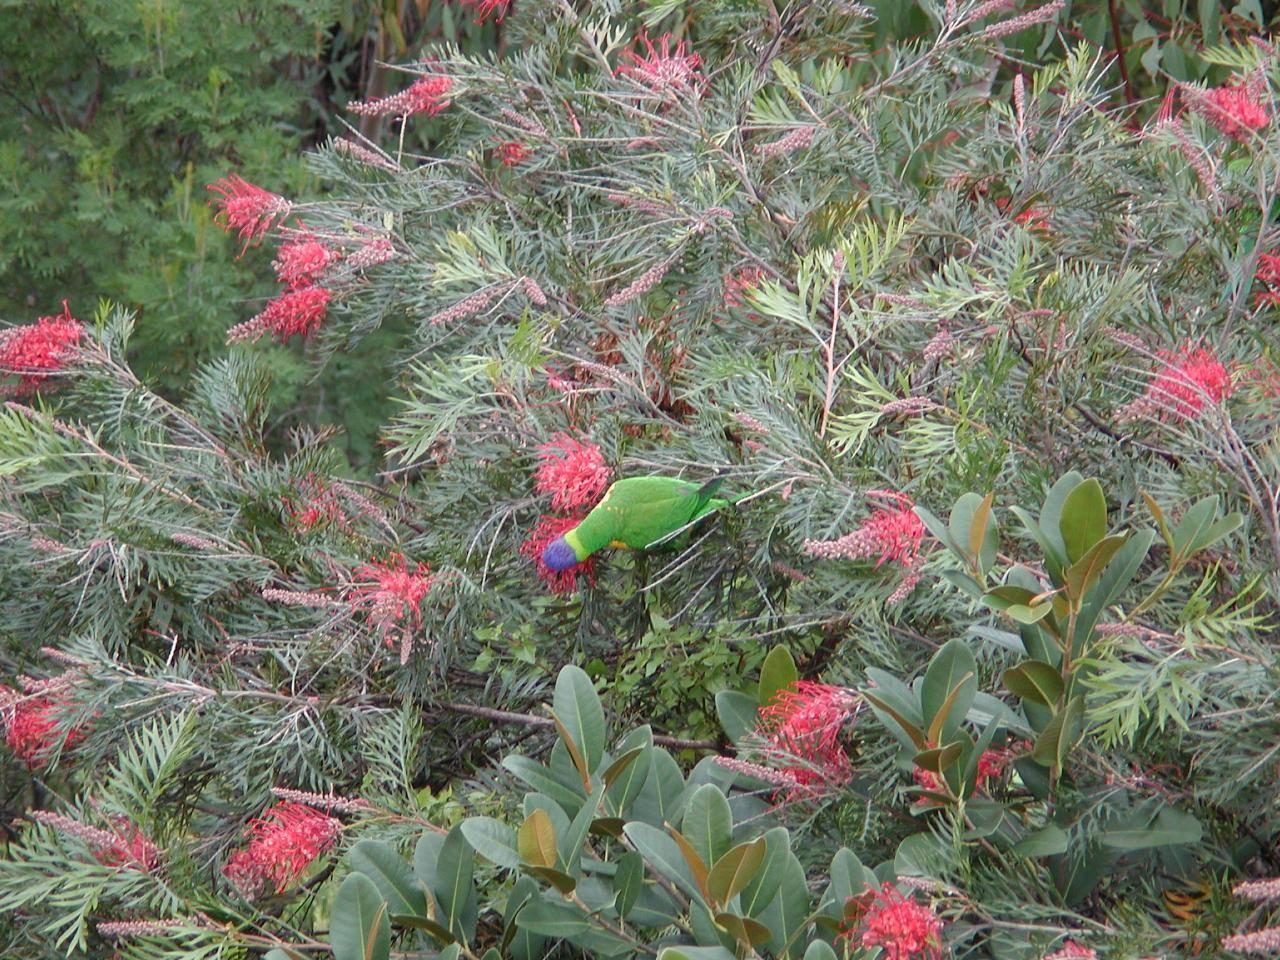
{"x":635,"y":513}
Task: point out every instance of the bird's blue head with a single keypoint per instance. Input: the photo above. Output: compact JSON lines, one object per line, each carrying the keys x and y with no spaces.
{"x":558,"y":555}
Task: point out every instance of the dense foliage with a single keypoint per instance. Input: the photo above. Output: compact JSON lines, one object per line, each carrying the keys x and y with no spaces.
{"x":829,"y":509}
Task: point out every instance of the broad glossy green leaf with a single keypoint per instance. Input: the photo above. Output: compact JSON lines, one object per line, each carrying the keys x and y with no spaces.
{"x":578,"y":707}
{"x":360,"y":928}
{"x":707,"y":823}
{"x":536,"y":840}
{"x":1048,"y":841}
{"x":1060,"y":735}
{"x":696,"y":953}
{"x":1087,"y":571}
{"x":454,"y":891}
{"x":391,"y":875}
{"x":1168,"y":827}
{"x":659,"y":799}
{"x":1084,"y":518}
{"x":735,"y":869}
{"x":939,"y":758}
{"x":946,"y":694}
{"x":663,"y":855}
{"x":1035,"y":680}
{"x":778,"y":672}
{"x":738,"y":714}
{"x":628,"y":881}
{"x":493,"y":840}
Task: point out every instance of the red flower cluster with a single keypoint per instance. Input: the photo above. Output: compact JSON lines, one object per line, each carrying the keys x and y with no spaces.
{"x":1232,"y":109}
{"x":301,"y":261}
{"x":486,"y":7}
{"x":130,"y":849}
{"x":124,"y":845}
{"x":1268,"y":273}
{"x":890,"y":533}
{"x":1190,"y":378}
{"x":1072,"y":951}
{"x":551,"y":528}
{"x":319,"y":506}
{"x":296,"y":312}
{"x":801,"y":726}
{"x":991,"y":765}
{"x":392,"y":595}
{"x":283,"y":843}
{"x":427,"y":95}
{"x":1033,"y":217}
{"x":665,"y":70}
{"x":573,"y":472}
{"x":31,"y":728}
{"x":247,"y":209}
{"x":739,"y":283}
{"x":301,"y":308}
{"x":38,"y":350}
{"x":513,"y":153}
{"x":902,"y":928}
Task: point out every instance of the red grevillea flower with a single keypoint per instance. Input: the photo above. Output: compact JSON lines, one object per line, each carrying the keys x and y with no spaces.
{"x":426,"y":95}
{"x":1232,"y":109}
{"x":991,"y":765}
{"x":301,"y":261}
{"x":574,"y":473}
{"x":283,"y":843}
{"x":1189,"y":379}
{"x":392,"y":595}
{"x":513,"y":153}
{"x":485,"y":8}
{"x":124,"y":845}
{"x":890,"y":533}
{"x":801,"y":726}
{"x":1033,"y":217}
{"x":37,"y":350}
{"x":902,"y":928}
{"x":665,"y":70}
{"x":31,"y":727}
{"x":558,"y":581}
{"x":1268,"y":273}
{"x":293,"y":313}
{"x":131,"y":848}
{"x":317,"y":506}
{"x":247,"y":209}
{"x":1071,"y":950}
{"x":736,"y":285}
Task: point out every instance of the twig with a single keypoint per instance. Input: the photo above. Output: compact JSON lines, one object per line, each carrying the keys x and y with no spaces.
{"x":529,"y":720}
{"x":1120,"y":51}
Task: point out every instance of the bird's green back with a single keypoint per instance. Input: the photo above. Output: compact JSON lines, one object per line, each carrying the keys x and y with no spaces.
{"x":638,"y":511}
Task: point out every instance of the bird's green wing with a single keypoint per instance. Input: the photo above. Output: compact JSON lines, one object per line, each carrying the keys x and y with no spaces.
{"x":648,"y":509}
